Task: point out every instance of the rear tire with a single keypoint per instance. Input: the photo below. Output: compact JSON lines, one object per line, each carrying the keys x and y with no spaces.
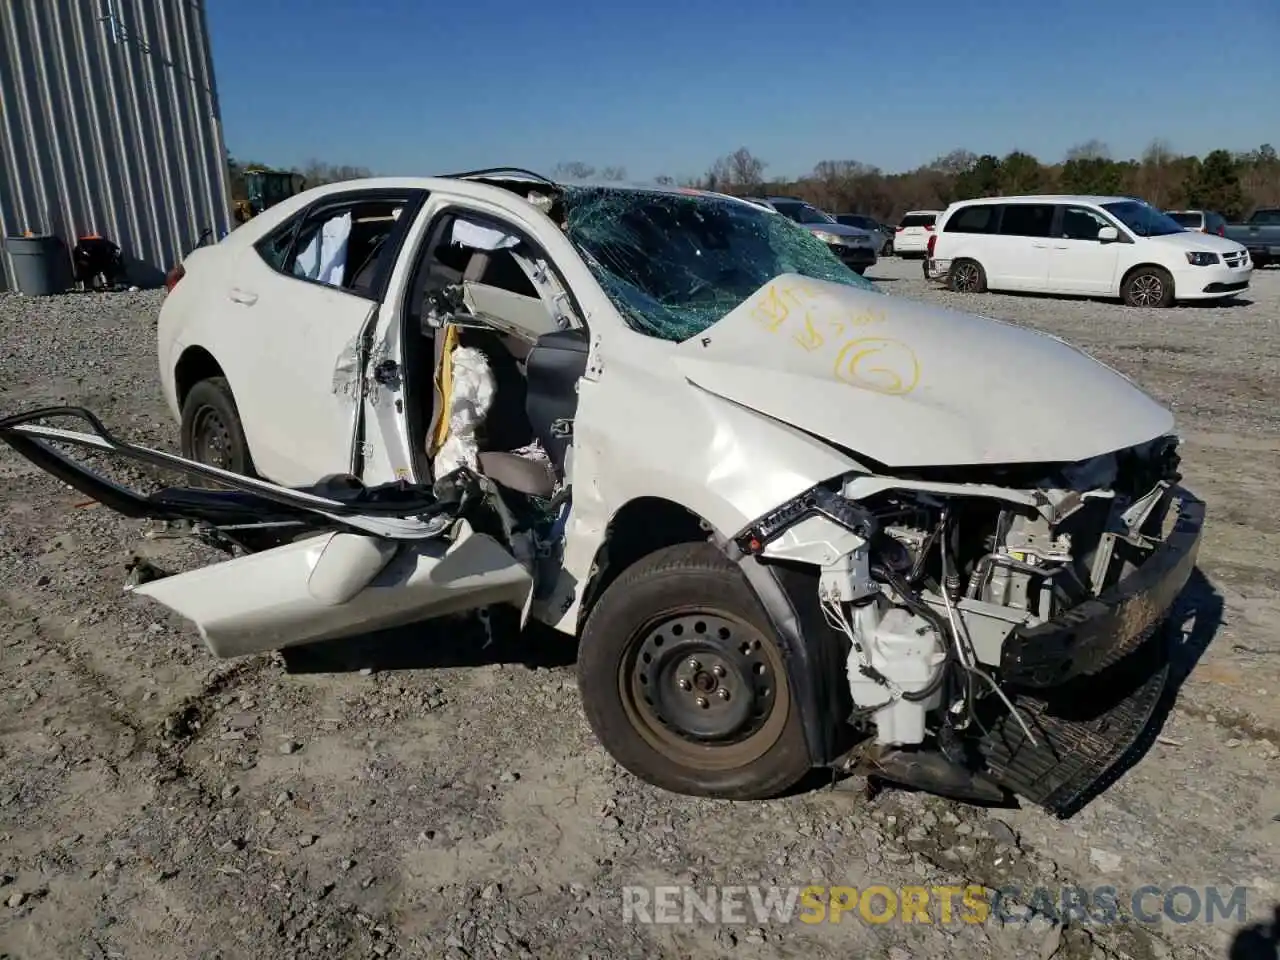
{"x":1148,"y":287}
{"x":684,"y":682}
{"x":967,"y":276}
{"x":211,"y":431}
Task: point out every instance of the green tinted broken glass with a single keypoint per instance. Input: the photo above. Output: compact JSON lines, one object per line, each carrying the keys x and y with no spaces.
{"x":676,"y":263}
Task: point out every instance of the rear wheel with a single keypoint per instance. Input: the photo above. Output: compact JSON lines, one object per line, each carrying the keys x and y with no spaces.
{"x":1148,"y":287}
{"x":684,"y":682}
{"x":211,"y":430}
{"x":967,"y":276}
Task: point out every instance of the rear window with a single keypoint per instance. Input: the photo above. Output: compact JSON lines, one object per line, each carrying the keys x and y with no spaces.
{"x":1026,"y":220}
{"x":981,"y":218}
{"x":1186,"y":219}
{"x":919,"y":220}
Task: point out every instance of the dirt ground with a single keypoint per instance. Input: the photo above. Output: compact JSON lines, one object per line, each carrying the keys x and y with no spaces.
{"x":431,"y":798}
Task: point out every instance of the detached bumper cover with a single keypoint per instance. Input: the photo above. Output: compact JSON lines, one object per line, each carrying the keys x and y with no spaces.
{"x":1098,"y":633}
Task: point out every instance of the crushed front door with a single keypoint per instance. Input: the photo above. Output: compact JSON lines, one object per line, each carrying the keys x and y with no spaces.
{"x":362,"y":559}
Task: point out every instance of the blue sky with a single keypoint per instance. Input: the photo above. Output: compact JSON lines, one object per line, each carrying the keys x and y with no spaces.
{"x":664,"y":87}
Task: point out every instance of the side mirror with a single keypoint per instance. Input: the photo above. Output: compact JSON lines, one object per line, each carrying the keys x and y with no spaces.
{"x":1108,"y":235}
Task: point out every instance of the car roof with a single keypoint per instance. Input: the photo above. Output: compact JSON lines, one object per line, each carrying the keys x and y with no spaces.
{"x":1049,"y":198}
{"x":486,"y":183}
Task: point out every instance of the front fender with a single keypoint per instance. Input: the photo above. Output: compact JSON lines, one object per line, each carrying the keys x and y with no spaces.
{"x":815,"y":654}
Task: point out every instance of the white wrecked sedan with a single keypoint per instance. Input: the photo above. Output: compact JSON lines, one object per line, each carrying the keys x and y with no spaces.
{"x":793,"y":522}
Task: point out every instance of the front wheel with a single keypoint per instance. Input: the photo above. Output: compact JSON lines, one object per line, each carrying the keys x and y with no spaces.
{"x":1148,"y":287}
{"x":211,"y":430}
{"x":684,"y":682}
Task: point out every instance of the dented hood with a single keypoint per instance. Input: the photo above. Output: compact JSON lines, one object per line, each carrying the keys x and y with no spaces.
{"x":912,"y":385}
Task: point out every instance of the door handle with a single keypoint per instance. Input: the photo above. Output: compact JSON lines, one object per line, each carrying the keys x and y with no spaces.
{"x":1040,"y":246}
{"x":1056,"y":247}
{"x":247,"y":297}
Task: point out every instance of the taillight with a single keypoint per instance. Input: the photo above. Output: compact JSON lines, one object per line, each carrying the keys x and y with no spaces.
{"x":929,"y":227}
{"x":173,"y":276}
{"x":899,"y":229}
{"x":1222,"y":231}
{"x":933,"y":239}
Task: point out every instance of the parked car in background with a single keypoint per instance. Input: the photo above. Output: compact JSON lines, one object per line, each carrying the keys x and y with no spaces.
{"x":911,"y":239}
{"x":1200,"y":221}
{"x":873,"y":226}
{"x":855,"y":247}
{"x":1090,"y":246}
{"x":1260,"y":235}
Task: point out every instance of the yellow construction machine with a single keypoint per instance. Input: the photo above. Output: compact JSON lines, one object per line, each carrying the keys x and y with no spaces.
{"x":265,"y":188}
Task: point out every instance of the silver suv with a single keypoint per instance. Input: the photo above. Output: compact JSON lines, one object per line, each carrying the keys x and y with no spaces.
{"x":855,"y":247}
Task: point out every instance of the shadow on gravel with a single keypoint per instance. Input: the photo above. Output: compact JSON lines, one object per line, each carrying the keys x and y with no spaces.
{"x":1188,"y":633}
{"x":1226,"y":303}
{"x":450,"y":642}
{"x":1261,"y":941}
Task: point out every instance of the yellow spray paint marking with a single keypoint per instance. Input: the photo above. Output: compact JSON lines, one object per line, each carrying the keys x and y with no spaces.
{"x":882,"y":364}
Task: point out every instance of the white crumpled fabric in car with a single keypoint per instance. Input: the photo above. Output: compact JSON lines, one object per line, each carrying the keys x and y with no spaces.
{"x":325,"y":257}
{"x":469,"y":403}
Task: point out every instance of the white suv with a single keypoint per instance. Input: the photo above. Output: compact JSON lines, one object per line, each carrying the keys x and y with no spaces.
{"x":1087,"y":246}
{"x":913,"y":233}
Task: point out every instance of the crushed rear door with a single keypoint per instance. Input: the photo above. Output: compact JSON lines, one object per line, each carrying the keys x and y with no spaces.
{"x":350,"y":559}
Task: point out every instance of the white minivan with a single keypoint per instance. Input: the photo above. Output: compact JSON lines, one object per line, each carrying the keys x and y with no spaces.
{"x":1087,"y":246}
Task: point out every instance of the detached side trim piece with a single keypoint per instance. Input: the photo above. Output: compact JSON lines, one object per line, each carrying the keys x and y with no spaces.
{"x":1097,"y":633}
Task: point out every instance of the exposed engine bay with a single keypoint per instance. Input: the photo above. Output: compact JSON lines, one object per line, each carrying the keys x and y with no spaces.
{"x":955,"y":596}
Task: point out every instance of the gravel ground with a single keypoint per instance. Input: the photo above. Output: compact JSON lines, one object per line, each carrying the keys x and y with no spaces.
{"x":156,"y":803}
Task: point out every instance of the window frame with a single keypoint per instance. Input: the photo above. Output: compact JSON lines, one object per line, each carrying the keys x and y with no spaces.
{"x":930,"y":219}
{"x":1061,"y":213}
{"x":434,"y":234}
{"x":410,"y":200}
{"x":1049,"y":228}
{"x":997,"y":214}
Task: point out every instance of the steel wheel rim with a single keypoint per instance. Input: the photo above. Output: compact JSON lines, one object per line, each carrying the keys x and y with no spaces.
{"x":964,"y":278}
{"x":211,"y":441}
{"x":1146,"y":290}
{"x":715,"y":697}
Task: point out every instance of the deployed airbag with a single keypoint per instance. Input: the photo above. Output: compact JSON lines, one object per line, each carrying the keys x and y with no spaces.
{"x":469,"y":399}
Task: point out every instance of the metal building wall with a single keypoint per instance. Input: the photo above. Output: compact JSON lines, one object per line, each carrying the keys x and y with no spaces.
{"x":109,"y":124}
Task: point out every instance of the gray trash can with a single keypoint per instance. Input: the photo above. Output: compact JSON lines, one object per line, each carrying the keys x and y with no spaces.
{"x":39,"y":264}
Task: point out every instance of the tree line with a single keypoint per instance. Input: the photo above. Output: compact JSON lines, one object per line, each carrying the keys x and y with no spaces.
{"x":1233,"y":184}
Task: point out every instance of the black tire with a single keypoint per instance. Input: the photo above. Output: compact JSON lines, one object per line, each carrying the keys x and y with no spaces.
{"x":859,"y":270}
{"x":211,"y":430}
{"x":686,"y":615}
{"x":967,"y":276}
{"x":1148,"y":287}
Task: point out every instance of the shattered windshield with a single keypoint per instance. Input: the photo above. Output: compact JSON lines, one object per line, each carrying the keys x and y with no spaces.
{"x":674,"y":264}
